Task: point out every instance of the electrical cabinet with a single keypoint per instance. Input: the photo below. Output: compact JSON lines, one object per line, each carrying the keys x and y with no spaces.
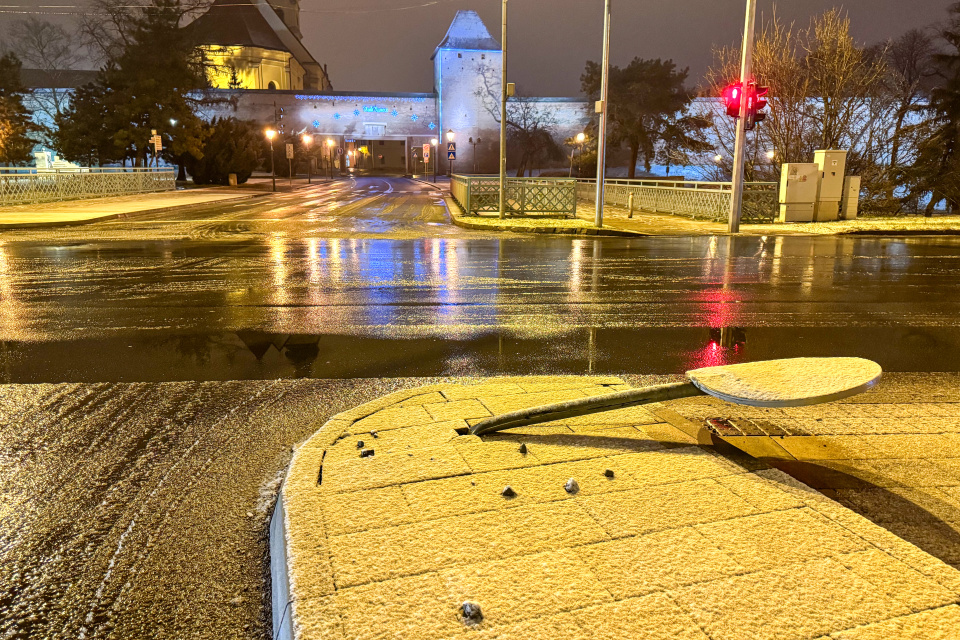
{"x":799,"y":186}
{"x":850,"y":204}
{"x":833,"y":165}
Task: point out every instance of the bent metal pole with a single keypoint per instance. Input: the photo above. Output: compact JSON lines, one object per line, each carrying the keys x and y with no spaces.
{"x":739,"y":154}
{"x":604,"y":109}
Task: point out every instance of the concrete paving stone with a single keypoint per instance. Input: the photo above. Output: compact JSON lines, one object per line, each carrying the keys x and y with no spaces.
{"x":393,"y":418}
{"x":667,"y":434}
{"x":424,"y":398}
{"x":508,"y":404}
{"x":411,"y":549}
{"x":600,"y":390}
{"x":933,"y":500}
{"x":562,"y":626}
{"x":486,"y":390}
{"x":457,"y":410}
{"x":758,"y":446}
{"x":780,"y":538}
{"x":953,"y":494}
{"x":630,"y":513}
{"x":525,"y":587}
{"x":394,"y":440}
{"x":936,"y":624}
{"x":627,"y":417}
{"x":316,"y":618}
{"x":391,"y":400}
{"x":919,"y":445}
{"x":675,"y":465}
{"x":652,"y":617}
{"x":415,"y":607}
{"x":523,"y":434}
{"x":609,"y":442}
{"x":828,"y":447}
{"x":760,"y":492}
{"x":892,"y":505}
{"x":534,"y":384}
{"x":551,"y":526}
{"x":639,"y":565}
{"x":357,"y":474}
{"x":786,"y":603}
{"x":495,"y":456}
{"x":362,"y":510}
{"x":897,"y":580}
{"x":940,"y":539}
{"x":952,"y":467}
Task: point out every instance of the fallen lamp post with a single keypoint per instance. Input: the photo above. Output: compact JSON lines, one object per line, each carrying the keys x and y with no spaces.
{"x":793,"y":382}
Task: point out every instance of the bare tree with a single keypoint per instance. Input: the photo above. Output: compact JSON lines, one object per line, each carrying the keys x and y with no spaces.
{"x":107,"y":27}
{"x":54,"y":51}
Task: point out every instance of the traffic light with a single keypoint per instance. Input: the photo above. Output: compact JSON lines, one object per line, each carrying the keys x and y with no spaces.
{"x":731,"y":98}
{"x":758,"y":104}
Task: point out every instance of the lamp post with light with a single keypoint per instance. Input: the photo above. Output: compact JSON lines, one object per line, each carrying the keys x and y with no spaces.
{"x":475,"y":143}
{"x":307,"y":140}
{"x":581,"y":138}
{"x":450,"y":138}
{"x":271,"y":134}
{"x":330,"y":156}
{"x":436,"y":160}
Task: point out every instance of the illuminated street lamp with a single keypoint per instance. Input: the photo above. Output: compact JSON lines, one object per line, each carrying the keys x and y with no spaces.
{"x":581,"y":138}
{"x":271,"y":134}
{"x":450,"y":138}
{"x":307,"y":140}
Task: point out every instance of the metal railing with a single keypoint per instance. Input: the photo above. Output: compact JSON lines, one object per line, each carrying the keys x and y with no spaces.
{"x":30,"y":186}
{"x":698,"y":200}
{"x":525,"y":196}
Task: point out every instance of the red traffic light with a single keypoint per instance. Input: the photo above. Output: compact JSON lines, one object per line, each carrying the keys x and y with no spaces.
{"x":731,"y":99}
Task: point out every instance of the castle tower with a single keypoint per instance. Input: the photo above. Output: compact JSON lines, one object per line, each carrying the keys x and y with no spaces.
{"x":467,"y":71}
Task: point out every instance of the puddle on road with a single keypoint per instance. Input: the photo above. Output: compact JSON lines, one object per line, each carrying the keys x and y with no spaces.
{"x":255,"y":355}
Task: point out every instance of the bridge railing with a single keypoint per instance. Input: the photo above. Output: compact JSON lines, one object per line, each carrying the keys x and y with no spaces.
{"x":698,"y":200}
{"x":30,"y":186}
{"x":525,"y":196}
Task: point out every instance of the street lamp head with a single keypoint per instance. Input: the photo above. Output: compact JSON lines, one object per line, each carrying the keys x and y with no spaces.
{"x":270,"y":133}
{"x":581,"y":137}
{"x":718,"y":158}
{"x":329,"y":142}
{"x":771,"y":154}
{"x":307,"y":139}
{"x":450,"y":135}
{"x":173,"y":122}
{"x":434,"y":141}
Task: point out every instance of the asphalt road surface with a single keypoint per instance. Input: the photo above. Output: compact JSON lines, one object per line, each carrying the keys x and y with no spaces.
{"x":136,"y":488}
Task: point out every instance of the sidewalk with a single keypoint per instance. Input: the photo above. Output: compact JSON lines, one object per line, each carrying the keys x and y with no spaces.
{"x":73,"y":212}
{"x":391,"y":517}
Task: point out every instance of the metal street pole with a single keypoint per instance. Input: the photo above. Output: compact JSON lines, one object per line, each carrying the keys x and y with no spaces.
{"x":746,"y":71}
{"x":503,"y":119}
{"x":604,"y":109}
{"x":273,"y":170}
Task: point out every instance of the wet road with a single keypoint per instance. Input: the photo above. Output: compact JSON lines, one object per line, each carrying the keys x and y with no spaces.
{"x":366,"y":278}
{"x":135,"y":495}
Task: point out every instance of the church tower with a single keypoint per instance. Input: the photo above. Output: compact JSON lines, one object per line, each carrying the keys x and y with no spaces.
{"x":289,"y":12}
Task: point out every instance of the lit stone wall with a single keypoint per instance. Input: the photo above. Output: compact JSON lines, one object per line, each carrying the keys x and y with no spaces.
{"x":255,"y":68}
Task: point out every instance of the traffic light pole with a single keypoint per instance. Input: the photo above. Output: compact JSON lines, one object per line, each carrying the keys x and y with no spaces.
{"x":503,"y":119}
{"x":746,"y":71}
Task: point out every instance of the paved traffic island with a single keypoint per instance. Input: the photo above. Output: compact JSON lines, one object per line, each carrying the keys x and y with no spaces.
{"x":394,"y":522}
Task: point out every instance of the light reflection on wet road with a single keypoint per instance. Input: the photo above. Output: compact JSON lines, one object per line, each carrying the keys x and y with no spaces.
{"x":139,"y":509}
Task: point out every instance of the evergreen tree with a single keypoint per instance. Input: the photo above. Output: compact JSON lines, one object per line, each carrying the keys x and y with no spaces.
{"x":937,"y":167}
{"x":233,"y":146}
{"x":16,"y":127}
{"x":84,"y":130}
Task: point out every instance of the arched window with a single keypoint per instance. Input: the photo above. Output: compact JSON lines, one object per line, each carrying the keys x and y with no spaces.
{"x":272,"y":86}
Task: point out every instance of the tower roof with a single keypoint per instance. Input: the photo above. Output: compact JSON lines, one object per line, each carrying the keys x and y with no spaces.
{"x":235,"y":23}
{"x":467,"y":31}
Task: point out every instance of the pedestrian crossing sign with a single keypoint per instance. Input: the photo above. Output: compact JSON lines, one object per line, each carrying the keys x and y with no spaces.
{"x":451,"y":155}
{"x":451,"y":146}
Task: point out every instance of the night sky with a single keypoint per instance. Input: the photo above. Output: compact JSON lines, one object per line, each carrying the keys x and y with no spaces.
{"x":551,"y":39}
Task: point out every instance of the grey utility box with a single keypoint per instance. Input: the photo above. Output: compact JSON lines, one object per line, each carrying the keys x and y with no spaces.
{"x":833,"y":164}
{"x":850,"y":204}
{"x":799,"y":185}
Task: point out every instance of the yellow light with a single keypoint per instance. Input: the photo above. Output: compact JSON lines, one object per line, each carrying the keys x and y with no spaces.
{"x":329,"y":142}
{"x":434,"y":141}
{"x":450,"y":135}
{"x":581,"y":137}
{"x":307,"y":139}
{"x":270,"y":133}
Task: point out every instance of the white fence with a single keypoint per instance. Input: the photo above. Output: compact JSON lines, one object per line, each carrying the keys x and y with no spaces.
{"x":703,"y":200}
{"x":28,"y":186}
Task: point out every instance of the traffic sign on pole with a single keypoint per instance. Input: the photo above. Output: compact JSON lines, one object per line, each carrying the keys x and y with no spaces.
{"x":426,"y":153}
{"x":289,"y":151}
{"x":451,"y":155}
{"x":451,"y":146}
{"x":339,"y":151}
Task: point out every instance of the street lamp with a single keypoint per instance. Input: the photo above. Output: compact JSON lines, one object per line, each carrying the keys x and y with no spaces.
{"x":307,"y":140}
{"x":581,"y":138}
{"x":450,"y":138}
{"x":475,"y":143}
{"x":436,"y":160}
{"x":330,"y":156}
{"x":271,"y":134}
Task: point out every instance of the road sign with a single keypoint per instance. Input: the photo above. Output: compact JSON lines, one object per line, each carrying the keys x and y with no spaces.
{"x":157,"y":143}
{"x":426,"y":153}
{"x":451,"y":146}
{"x":289,"y":151}
{"x":451,"y":155}
{"x":339,"y":151}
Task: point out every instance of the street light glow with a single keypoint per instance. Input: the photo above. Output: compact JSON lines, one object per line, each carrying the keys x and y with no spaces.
{"x":771,"y":154}
{"x":270,"y":133}
{"x":451,"y":135}
{"x":329,"y":142}
{"x":718,"y":158}
{"x":307,"y":139}
{"x":581,"y":137}
{"x":434,"y":141}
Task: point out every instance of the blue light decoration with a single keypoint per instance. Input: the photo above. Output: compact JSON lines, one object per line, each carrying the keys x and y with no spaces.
{"x":356,"y":112}
{"x":336,"y":116}
{"x":432,"y":126}
{"x":369,"y":109}
{"x":414,"y":117}
{"x":316,"y":124}
{"x":394,"y":113}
